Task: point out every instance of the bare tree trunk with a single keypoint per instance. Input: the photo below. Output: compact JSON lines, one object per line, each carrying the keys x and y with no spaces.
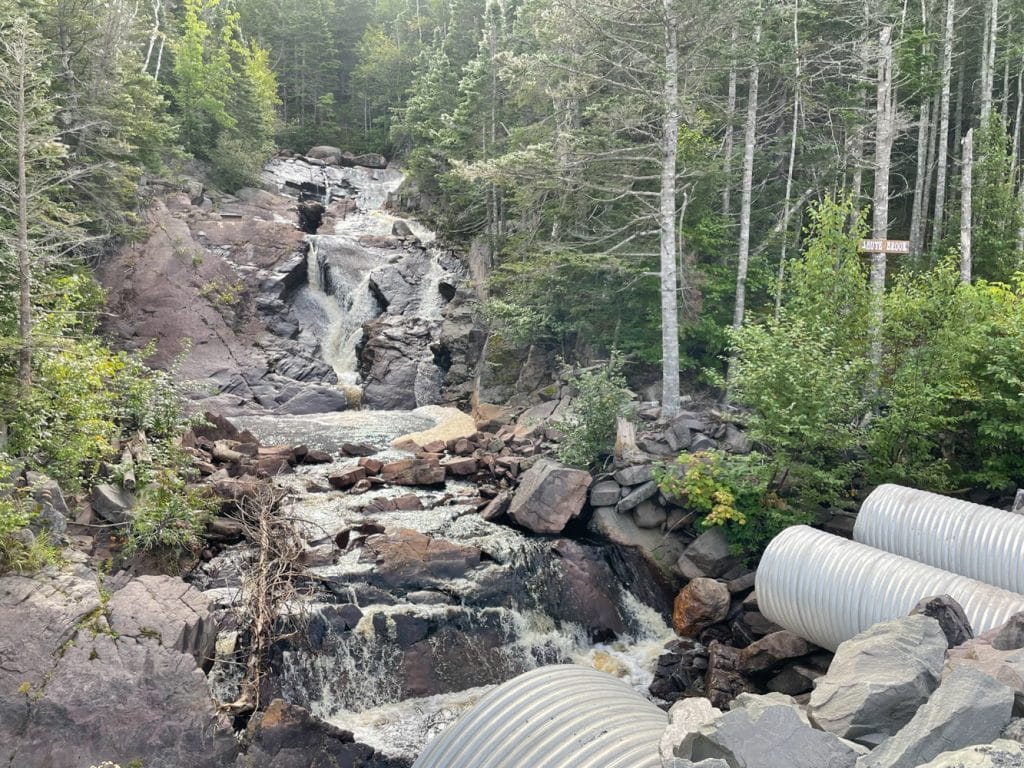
{"x":729,"y":129}
{"x":958,"y":119}
{"x":988,"y":63}
{"x":920,"y":192}
{"x":746,"y":194}
{"x":965,"y":207}
{"x":159,"y":58}
{"x":884,"y":134}
{"x":666,"y":217}
{"x":1004,"y":101}
{"x":21,"y":118}
{"x":794,"y":127}
{"x":941,"y":160}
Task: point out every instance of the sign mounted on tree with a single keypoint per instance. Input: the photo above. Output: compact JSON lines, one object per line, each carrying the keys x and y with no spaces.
{"x":885,"y":246}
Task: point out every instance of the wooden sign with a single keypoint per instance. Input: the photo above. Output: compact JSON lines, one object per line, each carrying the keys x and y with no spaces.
{"x":885,"y":246}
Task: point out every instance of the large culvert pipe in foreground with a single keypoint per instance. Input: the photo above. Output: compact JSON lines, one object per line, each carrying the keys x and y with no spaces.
{"x":828,"y":589}
{"x":982,"y":543}
{"x":553,"y":717}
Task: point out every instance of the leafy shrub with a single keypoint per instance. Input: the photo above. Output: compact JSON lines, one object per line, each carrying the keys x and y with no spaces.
{"x":734,"y":492}
{"x":589,"y":427}
{"x":170,"y":518}
{"x":19,"y":552}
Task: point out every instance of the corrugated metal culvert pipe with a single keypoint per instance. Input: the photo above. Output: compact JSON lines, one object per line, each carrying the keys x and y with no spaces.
{"x":983,"y":543}
{"x":561,"y":716}
{"x":828,"y":589}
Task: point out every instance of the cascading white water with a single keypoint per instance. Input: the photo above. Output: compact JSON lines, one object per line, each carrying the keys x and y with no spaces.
{"x":341,"y":287}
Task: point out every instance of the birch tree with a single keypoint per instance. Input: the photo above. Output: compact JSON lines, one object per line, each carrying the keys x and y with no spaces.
{"x":746,"y":193}
{"x":943,"y":129}
{"x":885,"y":131}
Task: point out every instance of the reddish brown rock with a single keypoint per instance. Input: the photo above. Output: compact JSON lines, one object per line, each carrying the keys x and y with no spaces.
{"x":413,"y":472}
{"x":549,"y":495}
{"x":407,"y":503}
{"x":771,"y":651}
{"x":461,"y":467}
{"x":496,"y":507}
{"x":411,"y":559}
{"x":698,"y":605}
{"x":346,"y":478}
{"x":372,"y":466}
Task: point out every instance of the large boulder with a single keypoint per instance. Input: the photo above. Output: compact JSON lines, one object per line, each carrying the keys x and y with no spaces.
{"x":371,"y":160}
{"x":968,"y":708}
{"x":879,"y":678}
{"x":75,"y":690}
{"x":658,"y":549}
{"x":698,"y":605}
{"x":549,"y":496}
{"x":767,"y":732}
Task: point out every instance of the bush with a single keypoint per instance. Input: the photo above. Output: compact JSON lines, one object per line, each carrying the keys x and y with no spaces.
{"x":589,"y":427}
{"x":733,"y":492}
{"x":19,"y":552}
{"x":170,"y":519}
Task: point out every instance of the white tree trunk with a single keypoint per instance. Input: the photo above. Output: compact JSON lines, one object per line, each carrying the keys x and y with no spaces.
{"x":941,"y":159}
{"x":965,"y":207}
{"x":794,"y":128}
{"x":920,"y":191}
{"x":746,"y":193}
{"x":666,"y":218}
{"x":988,"y":62}
{"x":885,"y":119}
{"x":727,"y":149}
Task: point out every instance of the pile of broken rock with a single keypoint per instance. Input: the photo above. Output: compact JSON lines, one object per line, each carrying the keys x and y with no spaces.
{"x":915,"y":691}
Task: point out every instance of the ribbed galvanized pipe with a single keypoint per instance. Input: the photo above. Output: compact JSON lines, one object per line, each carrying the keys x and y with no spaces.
{"x":561,"y":716}
{"x":828,"y":589}
{"x":983,"y":543}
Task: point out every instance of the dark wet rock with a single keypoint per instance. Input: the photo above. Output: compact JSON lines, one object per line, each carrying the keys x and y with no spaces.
{"x":315,"y":399}
{"x":288,"y":736}
{"x":950,"y":615}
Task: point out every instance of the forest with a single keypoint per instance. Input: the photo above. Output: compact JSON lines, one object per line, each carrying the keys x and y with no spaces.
{"x":683,"y":184}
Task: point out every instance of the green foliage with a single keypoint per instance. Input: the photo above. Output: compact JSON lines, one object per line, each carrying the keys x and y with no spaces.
{"x":953,"y":376}
{"x":734,"y":492}
{"x":83,"y":395}
{"x":553,"y":298}
{"x":804,"y":375}
{"x":997,"y":216}
{"x":170,"y":518}
{"x":589,"y":427}
{"x":20,"y":550}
